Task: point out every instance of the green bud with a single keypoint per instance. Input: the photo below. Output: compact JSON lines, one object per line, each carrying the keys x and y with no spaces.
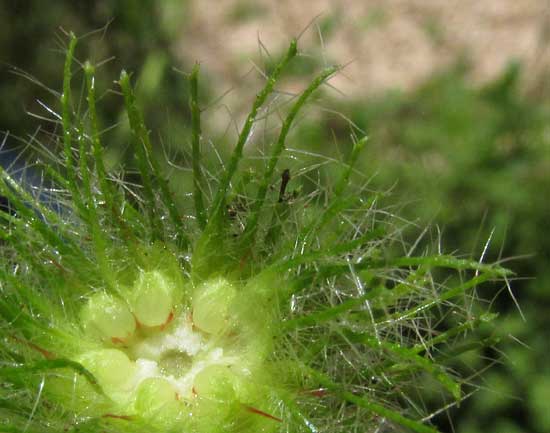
{"x":152,"y":298}
{"x":211,"y":304}
{"x":113,"y":369}
{"x":215,"y":382}
{"x":153,"y":394}
{"x":109,"y":317}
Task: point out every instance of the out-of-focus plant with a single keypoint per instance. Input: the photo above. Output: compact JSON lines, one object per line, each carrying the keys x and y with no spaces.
{"x":475,"y":162}
{"x":137,"y":34}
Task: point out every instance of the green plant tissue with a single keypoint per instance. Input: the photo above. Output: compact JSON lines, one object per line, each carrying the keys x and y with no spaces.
{"x":259,"y":299}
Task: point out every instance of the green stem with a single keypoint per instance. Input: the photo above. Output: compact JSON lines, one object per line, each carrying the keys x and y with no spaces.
{"x":148,"y":166}
{"x":196,"y":137}
{"x":364,"y":402}
{"x":277,"y":149}
{"x":338,"y":203}
{"x":66,"y":111}
{"x":245,"y":132}
{"x":97,"y":148}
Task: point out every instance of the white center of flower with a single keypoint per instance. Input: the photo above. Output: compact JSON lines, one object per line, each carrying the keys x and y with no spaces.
{"x":181,"y":341}
{"x":157,"y":356}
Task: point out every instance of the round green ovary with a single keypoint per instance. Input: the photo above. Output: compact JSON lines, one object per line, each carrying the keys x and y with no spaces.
{"x":152,"y":298}
{"x":153,"y":395}
{"x":215,"y":398}
{"x":210,"y":305}
{"x":215,"y":382}
{"x":108,"y":317}
{"x":114,"y":371}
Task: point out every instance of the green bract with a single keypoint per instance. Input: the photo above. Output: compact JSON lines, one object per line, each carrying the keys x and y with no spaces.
{"x":152,"y":298}
{"x":108,"y":317}
{"x":262,"y":310}
{"x":211,"y":305}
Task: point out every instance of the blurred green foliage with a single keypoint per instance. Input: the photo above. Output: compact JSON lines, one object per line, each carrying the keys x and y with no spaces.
{"x":475,"y":162}
{"x":134,"y":34}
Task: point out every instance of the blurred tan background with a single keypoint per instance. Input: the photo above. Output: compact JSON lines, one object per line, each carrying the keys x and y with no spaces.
{"x":391,"y":43}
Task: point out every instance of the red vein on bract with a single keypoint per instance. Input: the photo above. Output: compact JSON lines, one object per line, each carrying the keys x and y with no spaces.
{"x":57,"y":265}
{"x":261,"y":413}
{"x":320,"y":392}
{"x":138,"y":323}
{"x":112,"y":415}
{"x":45,"y":353}
{"x":116,"y":340}
{"x":165,"y":324}
{"x":160,"y":327}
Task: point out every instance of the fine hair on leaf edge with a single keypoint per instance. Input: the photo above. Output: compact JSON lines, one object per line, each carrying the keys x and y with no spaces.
{"x":272,"y":295}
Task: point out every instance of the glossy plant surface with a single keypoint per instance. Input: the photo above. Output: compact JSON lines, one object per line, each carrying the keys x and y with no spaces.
{"x":259,"y":301}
